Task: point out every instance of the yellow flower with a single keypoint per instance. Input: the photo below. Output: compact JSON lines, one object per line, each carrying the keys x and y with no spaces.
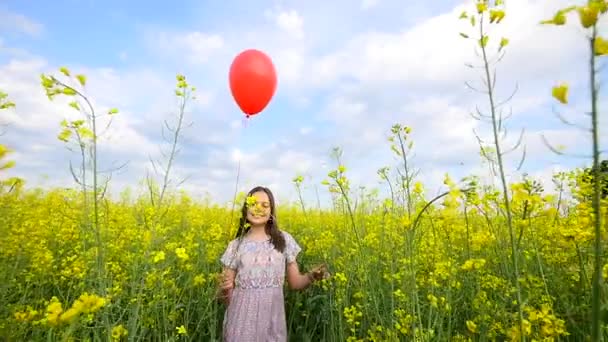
{"x":482,"y":6}
{"x":181,"y":330}
{"x":340,"y":277}
{"x":118,"y":332}
{"x":418,"y":188}
{"x":433,"y":300}
{"x":503,"y":42}
{"x":69,"y":315}
{"x":471,"y":326}
{"x":496,"y":15}
{"x":560,"y":92}
{"x":588,"y":15}
{"x":251,"y":201}
{"x":473,"y":264}
{"x":4,"y":150}
{"x":90,"y":303}
{"x":601,"y":46}
{"x":600,"y":6}
{"x":159,"y":256}
{"x":560,"y":17}
{"x":181,"y":253}
{"x":53,"y":311}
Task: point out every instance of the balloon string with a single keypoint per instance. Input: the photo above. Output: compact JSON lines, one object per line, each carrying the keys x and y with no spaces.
{"x":240,"y":157}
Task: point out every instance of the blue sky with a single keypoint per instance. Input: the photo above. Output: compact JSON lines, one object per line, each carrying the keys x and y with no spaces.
{"x":347,"y":71}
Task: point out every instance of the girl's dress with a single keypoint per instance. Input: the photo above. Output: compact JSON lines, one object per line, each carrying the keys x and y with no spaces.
{"x":256,"y":312}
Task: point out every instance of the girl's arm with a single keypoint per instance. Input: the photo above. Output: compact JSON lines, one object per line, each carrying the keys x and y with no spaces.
{"x":299,"y":281}
{"x":227,"y":284}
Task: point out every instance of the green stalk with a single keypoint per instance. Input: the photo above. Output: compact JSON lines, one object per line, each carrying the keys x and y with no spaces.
{"x":597,"y":272}
{"x":506,"y":199}
{"x":407,"y":177}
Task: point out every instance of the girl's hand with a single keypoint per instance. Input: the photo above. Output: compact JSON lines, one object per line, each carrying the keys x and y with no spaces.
{"x":226,"y":285}
{"x":319,"y":273}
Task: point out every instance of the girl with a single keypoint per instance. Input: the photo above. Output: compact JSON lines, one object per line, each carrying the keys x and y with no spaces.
{"x":255,"y":264}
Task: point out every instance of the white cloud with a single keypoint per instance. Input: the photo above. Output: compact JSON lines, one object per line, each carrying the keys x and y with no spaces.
{"x":367,"y":4}
{"x":18,"y":22}
{"x":12,"y":51}
{"x":432,"y":52}
{"x":379,"y":78}
{"x":133,"y":136}
{"x":305,"y":130}
{"x":363,"y":85}
{"x":291,"y":22}
{"x":299,"y":162}
{"x":196,"y":47}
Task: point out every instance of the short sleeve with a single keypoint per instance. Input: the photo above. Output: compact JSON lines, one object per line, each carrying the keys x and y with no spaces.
{"x":230,"y":258}
{"x":292,"y":249}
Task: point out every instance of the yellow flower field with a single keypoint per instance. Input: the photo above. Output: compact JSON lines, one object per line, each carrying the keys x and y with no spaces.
{"x":447,"y":274}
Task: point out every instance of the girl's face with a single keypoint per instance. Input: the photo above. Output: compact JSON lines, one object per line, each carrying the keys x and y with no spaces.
{"x":258,"y":211}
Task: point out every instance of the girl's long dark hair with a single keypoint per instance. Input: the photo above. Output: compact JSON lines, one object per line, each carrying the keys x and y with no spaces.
{"x":272,"y":228}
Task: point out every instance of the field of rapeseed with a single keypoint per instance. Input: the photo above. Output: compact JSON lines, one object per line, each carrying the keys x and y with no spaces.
{"x":447,"y":274}
{"x":479,"y":262}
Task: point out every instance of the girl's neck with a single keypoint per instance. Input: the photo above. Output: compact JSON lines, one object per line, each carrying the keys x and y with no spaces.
{"x":257,"y":232}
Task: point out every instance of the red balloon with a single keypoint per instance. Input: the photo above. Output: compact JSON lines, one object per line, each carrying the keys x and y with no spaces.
{"x":253,"y":81}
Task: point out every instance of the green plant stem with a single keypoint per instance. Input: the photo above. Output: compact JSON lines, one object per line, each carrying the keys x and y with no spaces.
{"x":299,"y":189}
{"x":506,"y":199}
{"x":597,"y":277}
{"x":180,"y":119}
{"x":407,"y":177}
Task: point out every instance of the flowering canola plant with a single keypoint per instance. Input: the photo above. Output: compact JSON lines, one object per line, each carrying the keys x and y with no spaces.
{"x":445,"y":278}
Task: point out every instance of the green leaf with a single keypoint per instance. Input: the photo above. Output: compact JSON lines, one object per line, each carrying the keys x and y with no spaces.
{"x":8,"y":165}
{"x":484,"y":41}
{"x":77,"y":123}
{"x":65,"y":71}
{"x":395,"y":150}
{"x":69,"y":91}
{"x":65,"y":135}
{"x":46,"y":82}
{"x":6,"y":105}
{"x":82,"y":79}
{"x":503,"y":42}
{"x":113,"y":111}
{"x":74,"y":105}
{"x":464,"y":35}
{"x":85,"y":133}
